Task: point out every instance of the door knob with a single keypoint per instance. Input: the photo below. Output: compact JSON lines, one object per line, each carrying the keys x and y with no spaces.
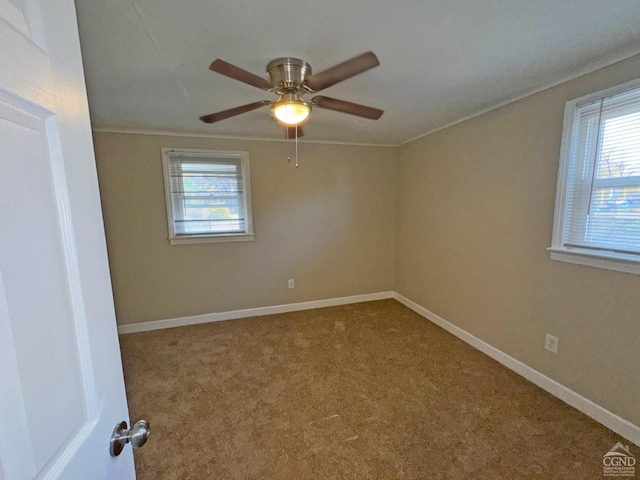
{"x":136,"y":435}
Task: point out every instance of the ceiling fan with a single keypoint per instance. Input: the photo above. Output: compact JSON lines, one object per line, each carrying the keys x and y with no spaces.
{"x":291,"y":79}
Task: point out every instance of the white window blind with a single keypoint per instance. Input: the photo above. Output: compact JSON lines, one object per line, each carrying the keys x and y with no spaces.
{"x":207,"y":193}
{"x":599,"y":179}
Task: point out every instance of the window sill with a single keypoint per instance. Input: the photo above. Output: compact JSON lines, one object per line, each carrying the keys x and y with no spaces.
{"x":187,"y":239}
{"x":609,"y":261}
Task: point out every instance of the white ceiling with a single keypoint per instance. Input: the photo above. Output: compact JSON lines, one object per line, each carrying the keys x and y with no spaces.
{"x":146,"y":61}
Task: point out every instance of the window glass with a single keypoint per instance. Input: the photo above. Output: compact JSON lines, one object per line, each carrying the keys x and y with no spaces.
{"x":207,"y":193}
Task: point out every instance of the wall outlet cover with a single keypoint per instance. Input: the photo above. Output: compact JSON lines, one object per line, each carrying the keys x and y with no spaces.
{"x":551,"y":343}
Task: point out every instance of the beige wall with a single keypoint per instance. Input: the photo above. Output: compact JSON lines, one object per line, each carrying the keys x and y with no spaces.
{"x":328,"y":225}
{"x":475,"y":206}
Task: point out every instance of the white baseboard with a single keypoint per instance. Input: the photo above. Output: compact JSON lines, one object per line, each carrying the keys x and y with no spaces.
{"x":251,"y":312}
{"x":610,"y":420}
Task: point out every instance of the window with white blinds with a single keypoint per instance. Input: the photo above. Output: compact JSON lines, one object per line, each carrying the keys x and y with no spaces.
{"x":598,"y":202}
{"x":207,"y":195}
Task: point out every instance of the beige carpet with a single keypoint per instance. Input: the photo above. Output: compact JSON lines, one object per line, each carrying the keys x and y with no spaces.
{"x":365,"y":391}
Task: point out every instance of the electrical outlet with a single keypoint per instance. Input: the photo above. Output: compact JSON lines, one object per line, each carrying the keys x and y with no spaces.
{"x":551,"y":343}
{"x":292,"y":283}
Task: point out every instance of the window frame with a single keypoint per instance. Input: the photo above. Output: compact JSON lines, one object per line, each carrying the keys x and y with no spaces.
{"x":178,"y":239}
{"x":600,"y":259}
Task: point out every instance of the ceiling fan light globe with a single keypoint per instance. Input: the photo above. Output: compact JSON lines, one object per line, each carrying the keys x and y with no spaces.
{"x":291,"y":113}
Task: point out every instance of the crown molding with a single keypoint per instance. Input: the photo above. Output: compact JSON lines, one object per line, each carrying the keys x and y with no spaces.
{"x":168,"y":133}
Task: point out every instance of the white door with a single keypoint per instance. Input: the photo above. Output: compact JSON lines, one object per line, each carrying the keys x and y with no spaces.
{"x":61,"y":384}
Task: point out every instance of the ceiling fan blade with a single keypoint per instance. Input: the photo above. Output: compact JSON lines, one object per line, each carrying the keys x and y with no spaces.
{"x":232,"y":112}
{"x":237,"y":73}
{"x":293,"y":132}
{"x":342,"y":71}
{"x":347,"y":107}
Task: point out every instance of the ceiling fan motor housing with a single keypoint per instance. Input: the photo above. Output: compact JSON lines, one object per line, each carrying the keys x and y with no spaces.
{"x":287,"y":74}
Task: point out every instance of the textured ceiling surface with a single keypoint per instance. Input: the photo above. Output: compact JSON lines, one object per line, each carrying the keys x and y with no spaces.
{"x":146,"y":61}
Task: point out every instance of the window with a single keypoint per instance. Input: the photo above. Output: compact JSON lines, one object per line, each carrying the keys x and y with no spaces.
{"x":207,"y":195}
{"x":597,"y":219}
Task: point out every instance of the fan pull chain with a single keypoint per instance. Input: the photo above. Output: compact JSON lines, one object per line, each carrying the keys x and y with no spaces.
{"x":289,"y":146}
{"x":296,"y":146}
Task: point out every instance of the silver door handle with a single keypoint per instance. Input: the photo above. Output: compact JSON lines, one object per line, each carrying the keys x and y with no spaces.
{"x":136,"y":435}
